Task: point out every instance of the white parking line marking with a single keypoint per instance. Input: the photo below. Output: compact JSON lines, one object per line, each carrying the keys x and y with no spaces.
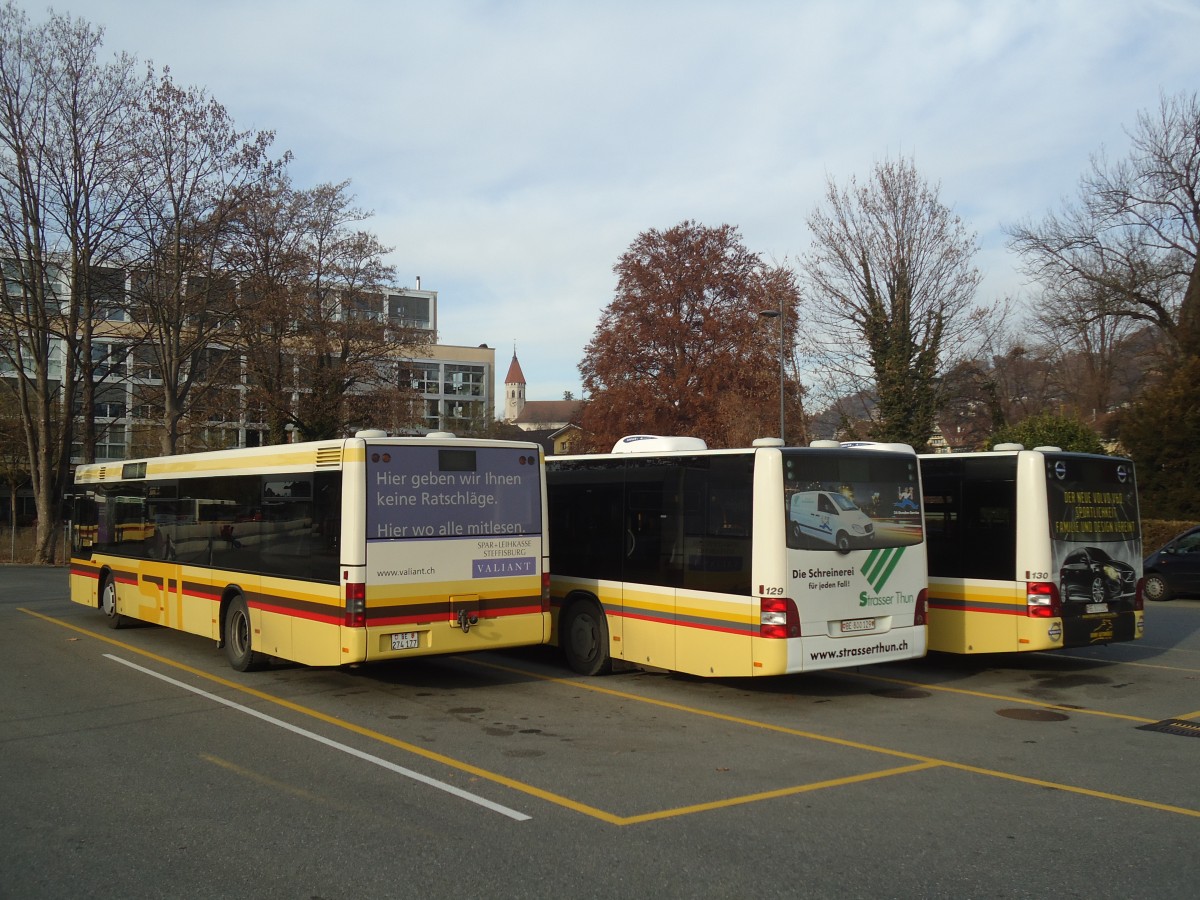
{"x":383,"y":763}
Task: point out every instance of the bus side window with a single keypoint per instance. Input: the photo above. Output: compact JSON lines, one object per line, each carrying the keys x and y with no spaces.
{"x":989,"y":523}
{"x":718,"y":534}
{"x":654,"y":523}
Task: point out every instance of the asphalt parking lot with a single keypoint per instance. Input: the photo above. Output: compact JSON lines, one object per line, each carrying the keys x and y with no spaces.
{"x":138,"y":760}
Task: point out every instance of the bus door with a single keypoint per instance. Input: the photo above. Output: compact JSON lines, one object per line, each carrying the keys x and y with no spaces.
{"x":653,"y":560}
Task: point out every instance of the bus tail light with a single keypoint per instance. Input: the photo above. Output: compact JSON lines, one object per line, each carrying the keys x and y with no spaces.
{"x":778,"y":618}
{"x":1042,"y":601}
{"x":545,"y":591}
{"x":356,"y":605}
{"x":1139,"y":602}
{"x":920,"y":614}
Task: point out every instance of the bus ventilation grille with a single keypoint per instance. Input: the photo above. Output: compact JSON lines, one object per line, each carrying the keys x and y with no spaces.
{"x":1174,"y":726}
{"x":101,"y":473}
{"x":329,"y":456}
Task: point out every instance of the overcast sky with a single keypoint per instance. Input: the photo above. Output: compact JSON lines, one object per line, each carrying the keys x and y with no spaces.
{"x":512,"y":151}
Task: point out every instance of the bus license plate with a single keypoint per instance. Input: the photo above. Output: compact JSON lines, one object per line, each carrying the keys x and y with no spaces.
{"x":1097,"y":607}
{"x":406,"y":640}
{"x":852,"y":625}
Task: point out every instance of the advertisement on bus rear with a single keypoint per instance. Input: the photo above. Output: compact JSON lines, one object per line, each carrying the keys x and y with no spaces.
{"x":452,"y":492}
{"x":1095,"y":534}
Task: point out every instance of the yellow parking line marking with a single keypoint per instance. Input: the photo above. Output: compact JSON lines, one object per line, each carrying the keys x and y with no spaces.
{"x":1071,"y":789}
{"x":772,"y":795}
{"x":999,"y":697}
{"x":258,"y":777}
{"x":439,"y":758}
{"x":404,"y":772}
{"x":1140,"y":665}
{"x":923,"y":762}
{"x":695,"y":711}
{"x":931,"y":761}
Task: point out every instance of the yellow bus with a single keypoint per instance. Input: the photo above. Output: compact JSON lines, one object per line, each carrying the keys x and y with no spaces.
{"x":323,"y":553}
{"x":1031,"y":550}
{"x":757,"y":561}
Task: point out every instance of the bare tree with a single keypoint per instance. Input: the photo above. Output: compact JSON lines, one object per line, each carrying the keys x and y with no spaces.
{"x":199,"y":171}
{"x":92,"y":112}
{"x":321,"y":344}
{"x":1129,"y":244}
{"x":271,"y":265}
{"x":61,"y":116}
{"x":682,"y":348}
{"x":14,"y":460}
{"x":890,"y":290}
{"x":1085,"y":347}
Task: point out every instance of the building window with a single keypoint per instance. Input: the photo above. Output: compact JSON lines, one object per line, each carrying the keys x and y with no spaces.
{"x":108,"y":359}
{"x":464,"y":381}
{"x":363,"y":307}
{"x":107,"y":291}
{"x":145,"y":363}
{"x":433,"y":414}
{"x":420,"y":377}
{"x":410,"y":312}
{"x":110,"y":403}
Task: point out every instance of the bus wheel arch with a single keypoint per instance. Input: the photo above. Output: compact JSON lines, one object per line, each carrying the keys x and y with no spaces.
{"x":237,"y":633}
{"x":583,"y":635}
{"x":106,"y":599}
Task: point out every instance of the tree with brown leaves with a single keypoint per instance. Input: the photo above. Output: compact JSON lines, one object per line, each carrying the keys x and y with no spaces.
{"x":684,"y":349}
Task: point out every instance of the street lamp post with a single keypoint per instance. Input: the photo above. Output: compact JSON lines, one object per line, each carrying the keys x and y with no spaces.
{"x":778,"y":314}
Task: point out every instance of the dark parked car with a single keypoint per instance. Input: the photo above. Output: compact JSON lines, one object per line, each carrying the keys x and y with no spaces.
{"x":1175,"y":569}
{"x":1090,"y":575}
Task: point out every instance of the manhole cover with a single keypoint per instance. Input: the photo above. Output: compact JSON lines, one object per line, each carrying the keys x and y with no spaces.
{"x":1174,"y":726}
{"x":1033,"y":715}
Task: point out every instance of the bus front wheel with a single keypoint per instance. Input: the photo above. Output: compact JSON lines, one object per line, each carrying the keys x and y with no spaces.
{"x":238,"y":641}
{"x":584,"y":638}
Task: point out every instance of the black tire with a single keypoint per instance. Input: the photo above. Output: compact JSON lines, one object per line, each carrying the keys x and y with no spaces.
{"x":843,"y":542}
{"x":108,"y":603}
{"x":1155,"y":588}
{"x":239,"y":637}
{"x":583,"y":637}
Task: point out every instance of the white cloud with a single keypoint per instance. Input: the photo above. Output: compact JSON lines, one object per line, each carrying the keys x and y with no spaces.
{"x":513,"y":150}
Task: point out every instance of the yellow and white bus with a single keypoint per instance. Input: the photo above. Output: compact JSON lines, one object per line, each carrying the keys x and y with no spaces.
{"x":1031,"y":550}
{"x":757,"y":561}
{"x":323,"y":553}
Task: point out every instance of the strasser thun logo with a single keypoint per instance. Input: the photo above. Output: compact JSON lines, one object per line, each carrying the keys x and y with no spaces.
{"x":878,"y":569}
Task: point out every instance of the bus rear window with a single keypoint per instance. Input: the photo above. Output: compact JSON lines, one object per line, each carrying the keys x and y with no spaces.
{"x":851,"y":500}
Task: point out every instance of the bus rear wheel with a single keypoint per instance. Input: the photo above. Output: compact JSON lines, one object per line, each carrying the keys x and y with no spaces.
{"x":584,"y":638}
{"x":238,"y":637}
{"x":108,"y":602}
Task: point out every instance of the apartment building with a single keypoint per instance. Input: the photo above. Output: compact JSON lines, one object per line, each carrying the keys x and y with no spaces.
{"x":450,"y":388}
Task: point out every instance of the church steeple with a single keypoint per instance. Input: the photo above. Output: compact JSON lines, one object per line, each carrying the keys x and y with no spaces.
{"x":514,"y":389}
